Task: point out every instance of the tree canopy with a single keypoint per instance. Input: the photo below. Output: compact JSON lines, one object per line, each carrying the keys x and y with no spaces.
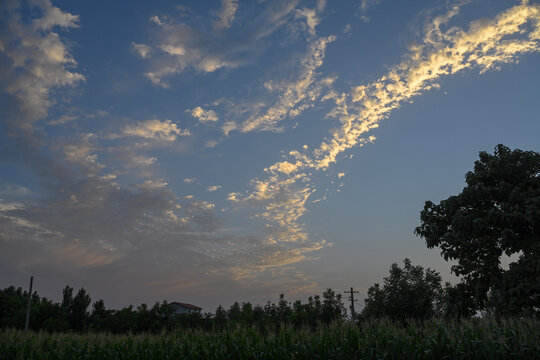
{"x":497,"y":213}
{"x":408,"y":292}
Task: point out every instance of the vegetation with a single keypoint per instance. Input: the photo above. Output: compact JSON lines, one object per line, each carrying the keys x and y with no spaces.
{"x":496,"y":214}
{"x":379,"y":339}
{"x":73,"y":314}
{"x":407,"y":293}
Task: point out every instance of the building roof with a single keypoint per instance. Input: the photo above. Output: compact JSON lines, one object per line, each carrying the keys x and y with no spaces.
{"x":189,"y":306}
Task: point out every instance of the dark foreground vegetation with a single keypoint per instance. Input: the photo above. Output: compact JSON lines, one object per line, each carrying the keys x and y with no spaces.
{"x":375,"y":339}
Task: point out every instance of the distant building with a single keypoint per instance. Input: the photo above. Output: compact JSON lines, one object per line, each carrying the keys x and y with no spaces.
{"x":183,"y":308}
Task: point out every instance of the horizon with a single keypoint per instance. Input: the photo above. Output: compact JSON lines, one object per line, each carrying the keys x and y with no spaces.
{"x":236,"y":151}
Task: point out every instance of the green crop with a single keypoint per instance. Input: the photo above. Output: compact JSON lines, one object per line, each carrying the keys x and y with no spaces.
{"x":381,"y":339}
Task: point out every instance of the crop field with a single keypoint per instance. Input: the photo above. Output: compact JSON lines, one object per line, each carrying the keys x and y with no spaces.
{"x":435,"y":339}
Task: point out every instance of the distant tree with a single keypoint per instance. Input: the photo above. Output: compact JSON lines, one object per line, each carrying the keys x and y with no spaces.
{"x":283,"y":309}
{"x":234,"y":313}
{"x":220,"y":317}
{"x":12,"y":307}
{"x":247,"y":313}
{"x":100,"y":316}
{"x":67,"y":300}
{"x":497,"y":213}
{"x":332,"y":307}
{"x":408,"y":292}
{"x":79,"y":311}
{"x":75,"y":308}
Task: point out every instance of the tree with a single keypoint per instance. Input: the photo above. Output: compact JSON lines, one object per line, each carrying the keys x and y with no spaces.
{"x":75,"y":308}
{"x":332,"y":307}
{"x":498,"y":212}
{"x":408,"y":292}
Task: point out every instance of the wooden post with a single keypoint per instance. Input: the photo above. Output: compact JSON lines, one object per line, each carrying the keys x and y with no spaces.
{"x":28,"y":308}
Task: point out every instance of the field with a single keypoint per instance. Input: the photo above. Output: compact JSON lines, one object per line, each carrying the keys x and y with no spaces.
{"x":436,"y":339}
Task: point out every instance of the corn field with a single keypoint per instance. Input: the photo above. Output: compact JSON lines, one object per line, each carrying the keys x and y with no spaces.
{"x":435,"y":339}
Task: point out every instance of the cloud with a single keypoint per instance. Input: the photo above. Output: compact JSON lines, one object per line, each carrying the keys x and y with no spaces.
{"x":204,"y":116}
{"x":484,"y":46}
{"x":9,"y":190}
{"x":487,"y":44}
{"x":213,"y":187}
{"x":53,"y":16}
{"x":141,"y":49}
{"x":156,"y":130}
{"x":295,"y":96}
{"x":64,"y":119}
{"x":226,"y":14}
{"x":179,"y":46}
{"x":190,"y":180}
{"x":34,"y":61}
{"x":211,"y":143}
{"x":144,"y":160}
{"x":365,"y":5}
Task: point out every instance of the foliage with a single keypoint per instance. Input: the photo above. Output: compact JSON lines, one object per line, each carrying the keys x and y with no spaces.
{"x":497,"y":213}
{"x":407,"y":293}
{"x":379,"y":339}
{"x":73,"y":314}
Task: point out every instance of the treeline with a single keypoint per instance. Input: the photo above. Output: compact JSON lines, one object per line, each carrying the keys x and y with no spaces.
{"x":74,"y":313}
{"x":408,"y":292}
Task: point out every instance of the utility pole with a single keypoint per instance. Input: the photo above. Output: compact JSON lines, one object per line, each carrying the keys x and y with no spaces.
{"x":28,"y":308}
{"x":351,"y":298}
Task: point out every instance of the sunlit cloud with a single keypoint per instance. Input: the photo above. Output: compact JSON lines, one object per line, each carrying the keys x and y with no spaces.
{"x":204,"y":115}
{"x":34,"y":62}
{"x":156,"y":130}
{"x":485,"y":46}
{"x":295,"y":96}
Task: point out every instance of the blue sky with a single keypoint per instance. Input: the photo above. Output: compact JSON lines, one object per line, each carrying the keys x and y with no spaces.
{"x":214,"y":151}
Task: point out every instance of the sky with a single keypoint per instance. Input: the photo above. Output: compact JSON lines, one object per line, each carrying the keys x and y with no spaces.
{"x":213,"y":151}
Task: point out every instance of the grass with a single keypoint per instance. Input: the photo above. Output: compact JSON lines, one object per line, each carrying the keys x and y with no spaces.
{"x":380,"y":339}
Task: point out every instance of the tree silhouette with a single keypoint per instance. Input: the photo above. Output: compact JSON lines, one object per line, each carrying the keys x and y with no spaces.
{"x":497,"y":213}
{"x":408,"y":292}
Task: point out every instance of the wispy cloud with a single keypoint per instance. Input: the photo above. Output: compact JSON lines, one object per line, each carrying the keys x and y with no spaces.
{"x":484,"y":46}
{"x":297,"y":95}
{"x":226,"y":14}
{"x":179,"y":46}
{"x":213,"y":187}
{"x":141,"y":49}
{"x":9,"y":190}
{"x":366,"y":5}
{"x":301,"y":91}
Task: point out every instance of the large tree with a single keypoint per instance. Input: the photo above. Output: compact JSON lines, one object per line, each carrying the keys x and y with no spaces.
{"x":496,"y":214}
